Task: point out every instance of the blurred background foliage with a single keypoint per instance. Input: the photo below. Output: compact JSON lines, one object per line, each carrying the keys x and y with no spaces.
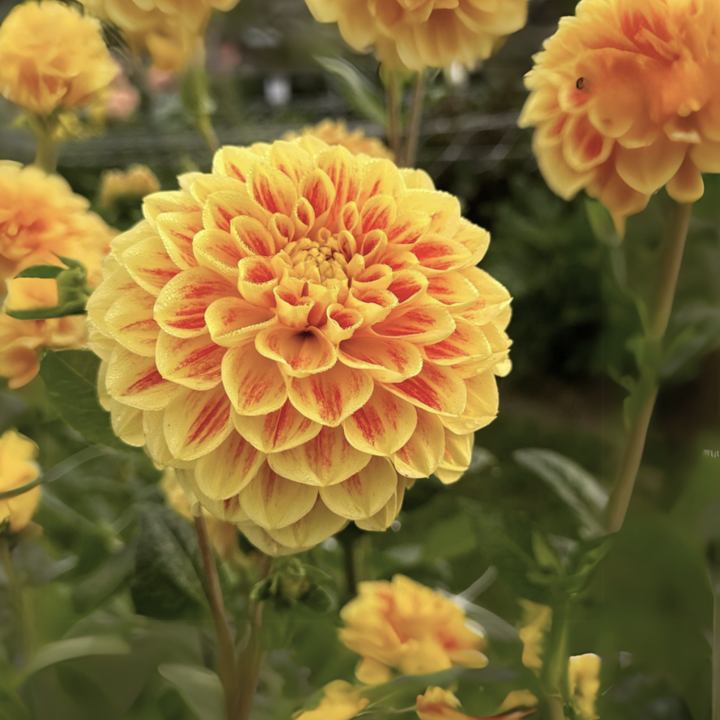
{"x":114,"y":617}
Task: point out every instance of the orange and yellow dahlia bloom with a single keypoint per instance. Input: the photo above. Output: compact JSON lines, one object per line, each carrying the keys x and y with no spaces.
{"x":51,"y":57}
{"x":168,"y":30}
{"x":440,"y":704}
{"x":624,"y":101}
{"x":340,"y":701}
{"x":416,"y":34}
{"x":135,"y":182}
{"x":335,"y":132}
{"x":404,"y":626}
{"x":301,"y":333}
{"x":17,"y":467}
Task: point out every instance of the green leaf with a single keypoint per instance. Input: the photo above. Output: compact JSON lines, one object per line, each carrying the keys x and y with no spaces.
{"x":199,"y":687}
{"x":63,"y":650}
{"x":109,"y":579}
{"x":357,"y":89}
{"x":71,"y":380}
{"x":449,"y":538}
{"x":46,"y":272}
{"x":602,"y":223}
{"x":576,"y":487}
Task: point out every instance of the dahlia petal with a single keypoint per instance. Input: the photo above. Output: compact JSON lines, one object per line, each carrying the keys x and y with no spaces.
{"x":318,"y":525}
{"x":342,"y":169}
{"x":381,"y":426}
{"x":181,"y":305}
{"x":253,"y":383}
{"x":436,"y":254}
{"x":384,"y":359}
{"x":227,"y":471}
{"x":481,"y":408}
{"x":443,"y":209}
{"x":303,"y":217}
{"x":374,"y":305}
{"x":341,"y":323}
{"x":324,"y":298}
{"x":541,"y":105}
{"x":416,"y":179}
{"x":252,"y":236}
{"x":457,"y":456}
{"x":299,"y":352}
{"x":421,"y":325}
{"x":155,"y":444}
{"x":292,"y":309}
{"x":380,"y":522}
{"x":134,"y":380}
{"x":380,"y":177}
{"x":647,"y":169}
{"x":319,"y":191}
{"x":621,"y":200}
{"x":325,"y":460}
{"x":202,"y":186}
{"x":408,"y":228}
{"x":127,"y":423}
{"x":686,"y":186}
{"x":236,"y":162}
{"x":424,"y":451}
{"x":273,"y":502}
{"x":584,"y":148}
{"x":291,"y":160}
{"x":196,"y":422}
{"x":115,"y":285}
{"x":454,"y":290}
{"x":282,"y":229}
{"x":264,"y":542}
{"x":409,"y":286}
{"x":257,"y":280}
{"x":174,"y":201}
{"x":272,"y":189}
{"x":177,"y":231}
{"x":378,"y":213}
{"x":437,"y":389}
{"x":494,"y":297}
{"x":363,"y":494}
{"x":130,"y":321}
{"x":218,"y":250}
{"x":374,"y":277}
{"x":149,"y":264}
{"x":231,"y":320}
{"x":560,"y":177}
{"x":708,"y":119}
{"x":279,"y":430}
{"x":467,"y":343}
{"x":222,"y":207}
{"x":330,"y":397}
{"x":614,"y":119}
{"x":474,"y":238}
{"x":192,"y":362}
{"x":706,"y":157}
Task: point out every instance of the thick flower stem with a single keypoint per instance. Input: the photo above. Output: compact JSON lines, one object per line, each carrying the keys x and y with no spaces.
{"x":555,"y":669}
{"x":226,"y":646}
{"x":655,"y":326}
{"x":46,"y":153}
{"x":416,"y":112}
{"x":393,"y":96}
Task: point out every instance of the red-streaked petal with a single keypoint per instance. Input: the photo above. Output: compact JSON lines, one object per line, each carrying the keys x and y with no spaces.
{"x":384,"y":359}
{"x":257,"y":280}
{"x":290,"y":159}
{"x":318,"y":189}
{"x":417,"y":324}
{"x":381,"y":177}
{"x":343,"y":170}
{"x":437,"y":389}
{"x":330,"y":397}
{"x":474,"y":238}
{"x":218,"y":251}
{"x":299,"y":352}
{"x":272,"y":189}
{"x":378,"y":213}
{"x":172,"y":201}
{"x":325,"y":460}
{"x":341,"y":323}
{"x":409,"y":286}
{"x":177,"y":231}
{"x":231,"y":320}
{"x":467,"y":343}
{"x":196,"y":422}
{"x":422,"y":454}
{"x":436,"y":254}
{"x":274,"y":502}
{"x":457,"y":456}
{"x":192,"y":362}
{"x":130,"y":321}
{"x":253,"y":383}
{"x":493,"y":297}
{"x":135,"y":381}
{"x":454,"y":290}
{"x":225,"y":472}
{"x":279,"y":430}
{"x":365,"y":493}
{"x":252,"y":236}
{"x":374,"y":305}
{"x":238,"y":162}
{"x":149,"y":264}
{"x":408,"y":228}
{"x":115,"y":285}
{"x":292,"y":309}
{"x":482,"y":404}
{"x":222,"y":207}
{"x":318,"y":525}
{"x":443,"y":209}
{"x":381,"y":426}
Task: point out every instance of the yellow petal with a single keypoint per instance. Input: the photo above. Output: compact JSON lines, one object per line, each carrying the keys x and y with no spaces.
{"x":149,"y":264}
{"x":272,"y":189}
{"x":584,"y":148}
{"x":421,"y":325}
{"x":232,"y":320}
{"x":299,"y":352}
{"x":686,"y":186}
{"x":457,"y":456}
{"x":482,"y":405}
{"x":467,"y":343}
{"x":192,"y":362}
{"x":647,"y":169}
{"x":318,"y":525}
{"x":384,"y":518}
{"x":279,"y":430}
{"x":443,"y":209}
{"x":177,"y":231}
{"x":422,"y":454}
{"x":127,"y":423}
{"x":252,"y":236}
{"x":437,"y":389}
{"x":291,"y":160}
{"x":454,"y":290}
{"x":437,"y":254}
{"x":219,"y":251}
{"x":257,"y":280}
{"x":130,"y":321}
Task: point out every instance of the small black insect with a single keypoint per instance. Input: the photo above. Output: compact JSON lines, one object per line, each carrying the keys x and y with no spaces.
{"x":580,"y":83}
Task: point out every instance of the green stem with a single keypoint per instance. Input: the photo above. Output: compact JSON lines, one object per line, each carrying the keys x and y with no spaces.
{"x":413,"y":139}
{"x":555,"y":679}
{"x":716,"y":658}
{"x":46,"y":153}
{"x":15,"y":593}
{"x":226,"y":646}
{"x":655,"y":326}
{"x":392,"y":94}
{"x":208,"y":132}
{"x":556,"y":707}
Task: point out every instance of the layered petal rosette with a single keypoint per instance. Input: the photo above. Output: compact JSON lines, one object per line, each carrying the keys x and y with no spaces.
{"x":301,"y":333}
{"x":624,"y":101}
{"x":416,"y":34}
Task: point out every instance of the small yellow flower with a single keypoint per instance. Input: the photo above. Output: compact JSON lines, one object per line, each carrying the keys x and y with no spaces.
{"x":51,"y":57}
{"x":341,"y":701}
{"x":223,"y":535}
{"x":301,"y":333}
{"x":537,"y":621}
{"x":137,"y":181}
{"x":416,"y":34}
{"x":584,"y":680}
{"x":440,"y":704}
{"x":625,"y":101}
{"x":336,"y":133}
{"x":404,"y":626}
{"x":168,"y":30}
{"x":17,"y":467}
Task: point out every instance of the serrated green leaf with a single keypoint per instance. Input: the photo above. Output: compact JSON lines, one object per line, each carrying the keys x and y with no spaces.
{"x":199,"y":687}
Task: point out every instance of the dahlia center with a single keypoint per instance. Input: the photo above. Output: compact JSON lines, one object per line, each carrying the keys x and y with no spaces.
{"x":321,"y":261}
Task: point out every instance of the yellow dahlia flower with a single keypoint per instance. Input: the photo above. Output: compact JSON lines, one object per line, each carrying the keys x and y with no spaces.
{"x":416,"y":34}
{"x":537,"y":621}
{"x":336,"y":133}
{"x":340,"y":701}
{"x":584,"y":679}
{"x":17,"y":467}
{"x":440,"y":704}
{"x":136,"y":181}
{"x":624,"y":100}
{"x":41,"y":218}
{"x":404,"y":626}
{"x":298,"y":333}
{"x":167,"y":29}
{"x":51,"y":56}
{"x":223,"y":535}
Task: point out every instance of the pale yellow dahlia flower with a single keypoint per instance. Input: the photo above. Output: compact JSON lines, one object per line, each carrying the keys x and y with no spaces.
{"x":340,"y":701}
{"x":336,"y":133}
{"x":137,"y":181}
{"x":440,"y":704}
{"x":404,"y":626}
{"x":625,"y":100}
{"x":416,"y":34}
{"x":17,"y":467}
{"x":584,"y":680}
{"x":168,"y":30}
{"x":300,"y":333}
{"x":51,"y":57}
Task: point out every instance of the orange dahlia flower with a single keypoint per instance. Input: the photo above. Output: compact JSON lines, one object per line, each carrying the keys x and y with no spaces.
{"x":51,"y":56}
{"x":167,"y":29}
{"x":299,"y":333}
{"x":416,"y":34}
{"x":336,"y":133}
{"x":624,"y":101}
{"x":402,"y":625}
{"x":17,"y":467}
{"x":440,"y":704}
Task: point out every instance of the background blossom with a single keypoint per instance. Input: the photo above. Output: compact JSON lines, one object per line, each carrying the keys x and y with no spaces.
{"x":336,"y":133}
{"x":17,"y":467}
